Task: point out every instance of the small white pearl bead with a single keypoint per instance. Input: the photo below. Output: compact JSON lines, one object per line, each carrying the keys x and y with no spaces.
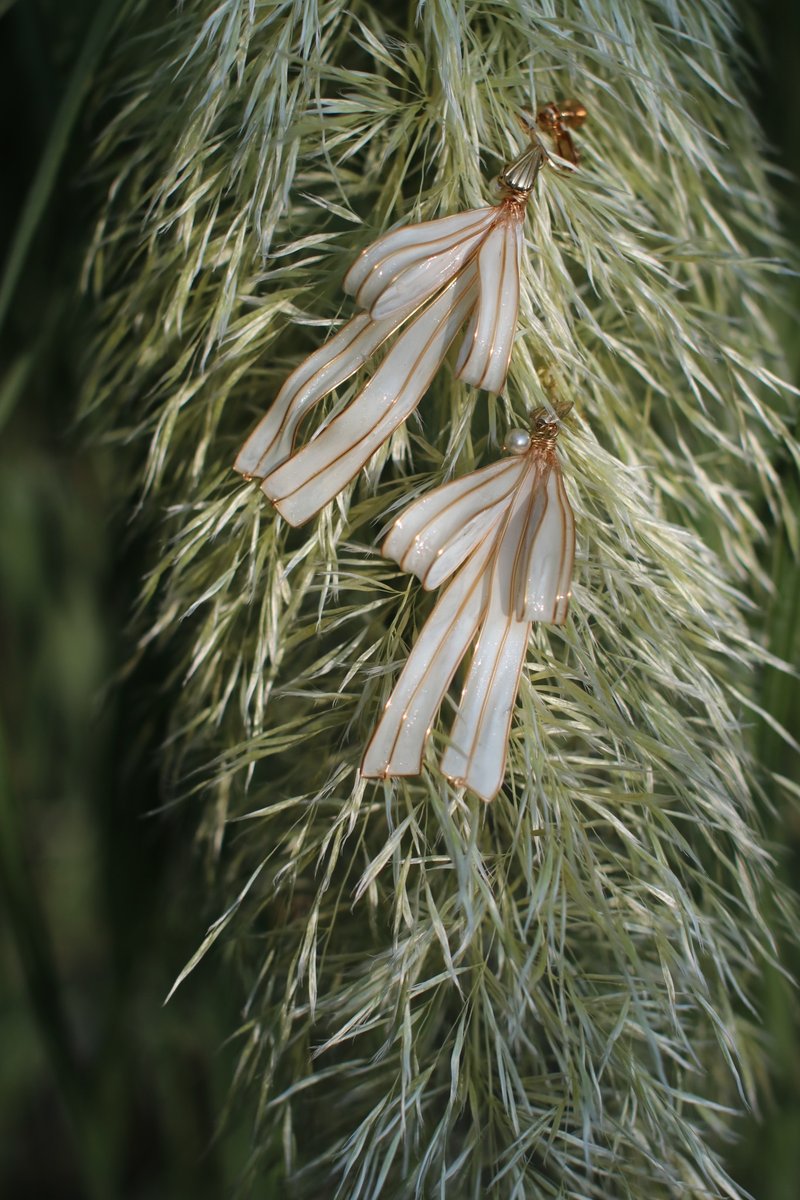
{"x":518,"y":441}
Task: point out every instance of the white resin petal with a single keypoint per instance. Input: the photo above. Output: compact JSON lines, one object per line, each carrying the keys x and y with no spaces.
{"x":398,"y":743}
{"x":308,"y":480}
{"x":485,"y":354}
{"x":465,"y":348}
{"x":433,"y":536}
{"x":476,"y":755}
{"x":530,"y":581}
{"x":271,"y":441}
{"x":419,"y":280}
{"x":543,"y":577}
{"x":463,"y":543}
{"x":395,"y":251}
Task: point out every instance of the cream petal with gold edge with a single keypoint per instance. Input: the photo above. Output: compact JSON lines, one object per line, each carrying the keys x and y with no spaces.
{"x":271,"y":442}
{"x":435,"y":534}
{"x":542,"y":583}
{"x":398,"y":743}
{"x":422,"y":279}
{"x":476,"y":755}
{"x":320,"y":470}
{"x":485,"y":353}
{"x":416,"y":260}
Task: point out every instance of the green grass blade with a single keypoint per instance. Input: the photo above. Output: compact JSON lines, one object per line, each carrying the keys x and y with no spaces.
{"x":44,"y":180}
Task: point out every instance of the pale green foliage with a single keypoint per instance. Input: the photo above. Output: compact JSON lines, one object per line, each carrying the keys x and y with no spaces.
{"x":547,"y":996}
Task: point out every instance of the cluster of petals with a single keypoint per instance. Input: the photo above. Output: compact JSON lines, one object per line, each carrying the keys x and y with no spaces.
{"x":430,"y":281}
{"x":505,"y":538}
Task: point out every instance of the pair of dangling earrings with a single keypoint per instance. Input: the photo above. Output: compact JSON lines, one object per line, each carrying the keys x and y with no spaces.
{"x":503,"y":536}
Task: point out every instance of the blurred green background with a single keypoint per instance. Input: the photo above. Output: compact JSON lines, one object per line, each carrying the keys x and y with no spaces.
{"x":104,"y":1091}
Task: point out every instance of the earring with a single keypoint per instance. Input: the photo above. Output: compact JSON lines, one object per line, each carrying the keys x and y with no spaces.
{"x":505,"y":538}
{"x":457,"y":270}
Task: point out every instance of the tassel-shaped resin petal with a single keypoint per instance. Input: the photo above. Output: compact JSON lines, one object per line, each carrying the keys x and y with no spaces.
{"x":434,"y":535}
{"x":271,"y":442}
{"x":417,"y":259}
{"x":398,"y":743}
{"x":476,"y":755}
{"x":543,"y":573}
{"x":485,"y":353}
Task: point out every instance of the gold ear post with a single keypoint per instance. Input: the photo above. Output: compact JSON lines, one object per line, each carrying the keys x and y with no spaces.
{"x":545,"y":423}
{"x":557,"y":119}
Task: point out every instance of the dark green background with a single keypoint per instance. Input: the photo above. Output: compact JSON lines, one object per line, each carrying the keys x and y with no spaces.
{"x":103,"y":1091}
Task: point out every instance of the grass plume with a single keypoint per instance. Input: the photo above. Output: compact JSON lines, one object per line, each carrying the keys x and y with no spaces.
{"x":550,"y":996}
